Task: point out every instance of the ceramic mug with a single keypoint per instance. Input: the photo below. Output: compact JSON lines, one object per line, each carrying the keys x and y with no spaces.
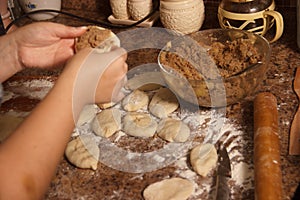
{"x":138,"y":9}
{"x":269,"y":17}
{"x":183,"y":16}
{"x":119,"y":9}
{"x":33,"y":5}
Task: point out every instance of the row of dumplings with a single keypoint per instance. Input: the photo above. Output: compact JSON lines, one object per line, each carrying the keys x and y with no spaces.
{"x":139,"y":123}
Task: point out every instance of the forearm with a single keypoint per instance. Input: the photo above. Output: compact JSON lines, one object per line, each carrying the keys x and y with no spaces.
{"x":36,"y":147}
{"x":9,"y":61}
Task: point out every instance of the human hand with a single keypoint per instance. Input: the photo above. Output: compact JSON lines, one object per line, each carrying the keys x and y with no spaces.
{"x":95,"y":77}
{"x":45,"y":44}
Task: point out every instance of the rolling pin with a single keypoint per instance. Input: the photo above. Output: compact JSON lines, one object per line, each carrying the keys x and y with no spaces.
{"x":267,"y":169}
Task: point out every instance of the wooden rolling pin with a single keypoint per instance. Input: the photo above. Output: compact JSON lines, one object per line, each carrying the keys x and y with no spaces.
{"x":267,"y":169}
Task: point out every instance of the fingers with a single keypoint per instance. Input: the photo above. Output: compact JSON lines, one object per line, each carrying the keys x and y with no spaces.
{"x":70,"y":32}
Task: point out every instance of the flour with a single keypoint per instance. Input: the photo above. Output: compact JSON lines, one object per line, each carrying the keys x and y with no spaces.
{"x":242,"y":174}
{"x":35,"y":89}
{"x":7,"y":96}
{"x":202,"y":124}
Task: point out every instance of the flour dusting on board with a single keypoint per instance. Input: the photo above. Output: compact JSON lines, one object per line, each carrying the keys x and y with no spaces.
{"x":231,"y":136}
{"x":35,"y":89}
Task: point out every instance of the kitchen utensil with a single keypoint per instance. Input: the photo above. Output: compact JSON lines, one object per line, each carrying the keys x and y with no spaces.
{"x":119,"y":9}
{"x":267,"y":169}
{"x":223,"y":174}
{"x":212,"y":90}
{"x":183,"y":16}
{"x":252,"y":15}
{"x":294,"y":143}
{"x":138,"y":9}
{"x":251,"y":67}
{"x":34,"y":5}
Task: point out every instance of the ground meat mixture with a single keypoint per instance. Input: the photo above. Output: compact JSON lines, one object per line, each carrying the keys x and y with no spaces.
{"x":92,"y":38}
{"x":230,"y":58}
{"x":210,"y":70}
{"x":234,"y":56}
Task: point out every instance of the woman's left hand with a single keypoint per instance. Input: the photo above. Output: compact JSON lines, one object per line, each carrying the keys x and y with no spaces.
{"x":45,"y":44}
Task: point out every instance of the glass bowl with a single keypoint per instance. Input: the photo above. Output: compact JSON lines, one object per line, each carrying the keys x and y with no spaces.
{"x":215,"y":67}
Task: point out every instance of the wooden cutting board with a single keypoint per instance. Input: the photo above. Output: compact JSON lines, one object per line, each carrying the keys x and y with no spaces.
{"x":294,"y":143}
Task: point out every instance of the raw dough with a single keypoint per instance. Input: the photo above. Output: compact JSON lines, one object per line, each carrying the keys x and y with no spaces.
{"x":135,"y":101}
{"x":87,"y":114}
{"x":204,"y":158}
{"x":103,"y":106}
{"x":139,"y":124}
{"x":163,"y":103}
{"x":173,"y":130}
{"x":107,"y":122}
{"x":83,"y":152}
{"x":150,"y":87}
{"x":174,"y":188}
{"x":146,"y":81}
{"x":97,"y":37}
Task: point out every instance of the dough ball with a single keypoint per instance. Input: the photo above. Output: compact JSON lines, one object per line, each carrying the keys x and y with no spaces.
{"x":139,"y":124}
{"x":173,"y":130}
{"x":135,"y":101}
{"x":150,"y":87}
{"x":163,"y":103}
{"x":87,"y":114}
{"x":97,"y":37}
{"x":107,"y":122}
{"x":204,"y":158}
{"x":83,"y":152}
{"x":174,"y":188}
{"x":147,"y":81}
{"x":104,"y":106}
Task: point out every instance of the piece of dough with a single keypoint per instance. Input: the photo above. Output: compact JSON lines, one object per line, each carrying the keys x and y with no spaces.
{"x":150,"y":87}
{"x":204,"y":158}
{"x":103,"y":106}
{"x":174,"y":188}
{"x":147,"y":81}
{"x":87,"y":114}
{"x":107,"y":122}
{"x":139,"y":124}
{"x":135,"y":101}
{"x":173,"y":130}
{"x":83,"y":152}
{"x":97,"y":37}
{"x":163,"y":103}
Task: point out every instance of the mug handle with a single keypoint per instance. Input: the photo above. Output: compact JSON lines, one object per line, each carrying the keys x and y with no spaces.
{"x":278,"y":21}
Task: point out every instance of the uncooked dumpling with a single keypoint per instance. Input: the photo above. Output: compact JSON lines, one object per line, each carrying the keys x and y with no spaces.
{"x":83,"y":152}
{"x":163,"y":103}
{"x":87,"y":114}
{"x":135,"y":101}
{"x":103,"y":106}
{"x":173,"y":130}
{"x":139,"y":124}
{"x":204,"y":158}
{"x":107,"y":122}
{"x":147,"y":81}
{"x":169,"y":189}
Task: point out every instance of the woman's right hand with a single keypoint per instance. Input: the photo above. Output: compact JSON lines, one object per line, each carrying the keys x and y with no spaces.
{"x":97,"y":77}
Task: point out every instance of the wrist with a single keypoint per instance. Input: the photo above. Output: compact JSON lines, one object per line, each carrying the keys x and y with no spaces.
{"x":9,"y":61}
